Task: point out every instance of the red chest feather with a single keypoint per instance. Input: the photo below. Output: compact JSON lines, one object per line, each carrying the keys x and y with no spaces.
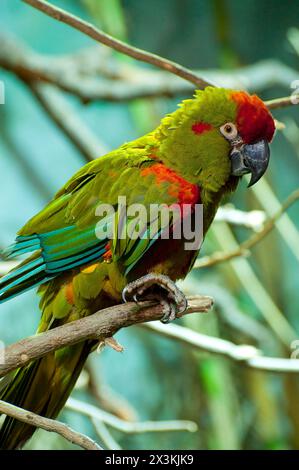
{"x":180,"y":189}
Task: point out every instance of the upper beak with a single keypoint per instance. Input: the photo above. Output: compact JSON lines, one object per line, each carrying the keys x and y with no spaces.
{"x":251,"y":158}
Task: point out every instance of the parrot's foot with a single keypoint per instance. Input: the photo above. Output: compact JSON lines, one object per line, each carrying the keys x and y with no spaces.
{"x":161,"y":288}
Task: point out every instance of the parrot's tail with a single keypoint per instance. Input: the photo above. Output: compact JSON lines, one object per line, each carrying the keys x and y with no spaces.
{"x":42,"y":387}
{"x":27,"y":274}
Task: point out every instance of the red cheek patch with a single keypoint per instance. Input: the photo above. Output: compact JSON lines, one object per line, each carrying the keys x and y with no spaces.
{"x":200,"y":127}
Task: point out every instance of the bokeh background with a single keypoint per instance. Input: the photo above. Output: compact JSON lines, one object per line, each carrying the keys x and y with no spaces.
{"x":256,"y":298}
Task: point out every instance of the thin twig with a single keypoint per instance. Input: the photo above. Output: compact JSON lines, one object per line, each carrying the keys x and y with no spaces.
{"x":228,"y":310}
{"x":250,"y":219}
{"x":283,"y":102}
{"x":127,"y":426}
{"x":99,"y":326}
{"x":49,"y":425}
{"x":99,"y":36}
{"x":105,"y":435}
{"x":245,"y":354}
{"x":245,"y":247}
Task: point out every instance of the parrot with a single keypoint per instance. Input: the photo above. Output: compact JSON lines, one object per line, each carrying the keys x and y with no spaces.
{"x":196,"y":155}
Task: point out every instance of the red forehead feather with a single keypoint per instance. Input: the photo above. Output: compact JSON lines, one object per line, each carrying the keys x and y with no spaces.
{"x":254,"y":121}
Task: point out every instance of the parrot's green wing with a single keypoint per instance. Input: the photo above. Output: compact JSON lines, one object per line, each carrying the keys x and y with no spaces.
{"x":74,"y":229}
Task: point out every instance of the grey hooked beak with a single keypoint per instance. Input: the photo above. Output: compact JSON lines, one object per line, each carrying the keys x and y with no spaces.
{"x":251,"y":158}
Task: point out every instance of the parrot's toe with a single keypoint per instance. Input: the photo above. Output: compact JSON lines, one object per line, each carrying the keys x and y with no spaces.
{"x":170,"y":312}
{"x":161,"y":288}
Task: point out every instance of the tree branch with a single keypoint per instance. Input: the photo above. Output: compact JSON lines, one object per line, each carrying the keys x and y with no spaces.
{"x":244,"y":354}
{"x":254,"y":219}
{"x":49,"y":425}
{"x":138,"y":54}
{"x":99,"y":326}
{"x":245,"y":247}
{"x":105,"y":435}
{"x":128,"y":427}
{"x":105,"y":323}
{"x":99,"y":36}
{"x":93,"y":77}
{"x":283,"y":102}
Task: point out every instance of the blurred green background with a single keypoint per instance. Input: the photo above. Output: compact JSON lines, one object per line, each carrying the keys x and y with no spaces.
{"x":156,"y":378}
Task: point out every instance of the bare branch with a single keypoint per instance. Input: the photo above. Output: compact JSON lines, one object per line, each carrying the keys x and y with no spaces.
{"x":99,"y":36}
{"x":127,"y":426}
{"x":91,"y":75}
{"x":250,"y":219}
{"x":99,"y":326}
{"x":244,"y":354}
{"x":105,"y":435}
{"x":49,"y":425}
{"x":245,"y":247}
{"x":283,"y":102}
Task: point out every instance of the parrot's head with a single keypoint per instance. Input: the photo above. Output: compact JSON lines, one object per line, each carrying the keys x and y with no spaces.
{"x":217,"y":137}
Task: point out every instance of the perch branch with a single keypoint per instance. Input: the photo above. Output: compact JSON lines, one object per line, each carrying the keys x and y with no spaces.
{"x":245,"y":247}
{"x":99,"y":326}
{"x":49,"y":425}
{"x":107,"y":322}
{"x":120,"y":46}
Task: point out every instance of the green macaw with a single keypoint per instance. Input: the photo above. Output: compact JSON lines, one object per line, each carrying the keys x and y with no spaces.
{"x":195,"y":156}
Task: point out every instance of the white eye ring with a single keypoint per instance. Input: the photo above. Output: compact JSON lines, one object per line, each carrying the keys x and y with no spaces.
{"x":229,"y":131}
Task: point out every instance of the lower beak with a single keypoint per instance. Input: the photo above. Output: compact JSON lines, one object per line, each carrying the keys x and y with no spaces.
{"x":251,"y":158}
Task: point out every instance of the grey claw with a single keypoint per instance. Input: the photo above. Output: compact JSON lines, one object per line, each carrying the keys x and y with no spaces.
{"x":124,"y":292}
{"x":182,"y":306}
{"x":170,"y":314}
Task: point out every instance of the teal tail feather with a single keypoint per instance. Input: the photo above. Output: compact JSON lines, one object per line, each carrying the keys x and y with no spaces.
{"x":25,"y":276}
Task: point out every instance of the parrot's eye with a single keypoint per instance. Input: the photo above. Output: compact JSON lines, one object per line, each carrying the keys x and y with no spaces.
{"x":229,"y":131}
